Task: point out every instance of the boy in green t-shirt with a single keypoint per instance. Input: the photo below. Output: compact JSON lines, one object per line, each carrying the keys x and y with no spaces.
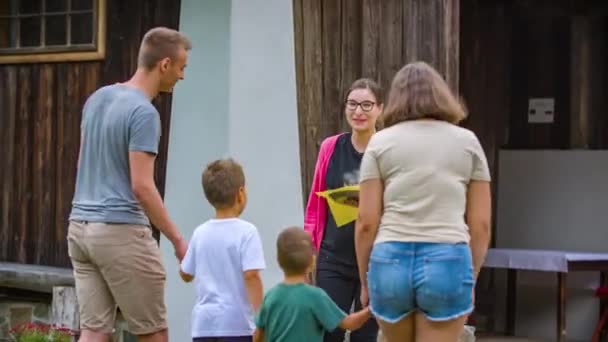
{"x":293,"y":310}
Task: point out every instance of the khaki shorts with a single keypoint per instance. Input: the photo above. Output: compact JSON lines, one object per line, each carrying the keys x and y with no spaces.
{"x":118,"y":265}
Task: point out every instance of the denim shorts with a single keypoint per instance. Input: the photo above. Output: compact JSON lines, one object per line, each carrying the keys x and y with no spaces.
{"x":433,"y":278}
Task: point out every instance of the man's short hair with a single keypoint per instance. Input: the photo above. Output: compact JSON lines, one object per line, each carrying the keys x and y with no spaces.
{"x":221,"y":182}
{"x":159,"y":43}
{"x":294,"y":251}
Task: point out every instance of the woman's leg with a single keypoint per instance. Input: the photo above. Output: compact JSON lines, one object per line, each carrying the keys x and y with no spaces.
{"x":402,"y":331}
{"x":391,"y":291}
{"x":341,"y":290}
{"x":448,"y":331}
{"x":444,"y":291}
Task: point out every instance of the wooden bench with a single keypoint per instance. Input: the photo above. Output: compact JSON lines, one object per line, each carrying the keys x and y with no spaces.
{"x":34,"y":277}
{"x":54,"y":282}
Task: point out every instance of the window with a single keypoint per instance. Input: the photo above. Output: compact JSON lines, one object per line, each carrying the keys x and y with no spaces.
{"x":52,"y":30}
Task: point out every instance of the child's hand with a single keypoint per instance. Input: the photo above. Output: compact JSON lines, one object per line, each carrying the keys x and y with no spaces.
{"x":185,"y":276}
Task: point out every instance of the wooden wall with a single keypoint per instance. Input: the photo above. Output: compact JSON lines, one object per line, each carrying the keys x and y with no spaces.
{"x":485,"y":72}
{"x":40,"y":110}
{"x":339,"y":41}
{"x":541,"y":56}
{"x":515,"y":50}
{"x":497,"y":54}
{"x":512,"y":50}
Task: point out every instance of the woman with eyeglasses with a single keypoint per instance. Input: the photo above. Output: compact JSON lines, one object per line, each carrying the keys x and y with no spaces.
{"x":338,"y":166}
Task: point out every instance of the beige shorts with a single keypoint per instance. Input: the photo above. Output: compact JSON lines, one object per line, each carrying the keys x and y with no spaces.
{"x":118,"y":265}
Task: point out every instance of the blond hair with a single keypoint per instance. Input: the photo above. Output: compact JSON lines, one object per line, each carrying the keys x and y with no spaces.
{"x":159,"y":43}
{"x":417,"y":92}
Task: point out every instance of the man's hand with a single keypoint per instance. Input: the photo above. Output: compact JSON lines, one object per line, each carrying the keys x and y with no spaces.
{"x":180,"y":246}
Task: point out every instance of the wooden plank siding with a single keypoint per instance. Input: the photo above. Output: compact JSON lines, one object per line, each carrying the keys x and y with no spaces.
{"x":40,"y":111}
{"x":495,"y":54}
{"x":339,"y":41}
{"x":485,"y":76}
{"x":514,"y":50}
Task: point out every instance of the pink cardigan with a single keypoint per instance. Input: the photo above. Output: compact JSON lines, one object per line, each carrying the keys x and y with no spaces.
{"x":316,"y":210}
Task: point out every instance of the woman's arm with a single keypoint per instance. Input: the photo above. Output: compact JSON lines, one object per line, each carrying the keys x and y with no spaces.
{"x":366,"y":227}
{"x":311,"y":214}
{"x":479,"y":216}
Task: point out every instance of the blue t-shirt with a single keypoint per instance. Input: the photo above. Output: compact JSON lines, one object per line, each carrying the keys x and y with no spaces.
{"x":219,"y":252}
{"x":116,"y":119}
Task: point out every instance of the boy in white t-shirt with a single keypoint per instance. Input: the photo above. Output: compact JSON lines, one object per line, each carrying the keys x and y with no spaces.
{"x":225,"y":257}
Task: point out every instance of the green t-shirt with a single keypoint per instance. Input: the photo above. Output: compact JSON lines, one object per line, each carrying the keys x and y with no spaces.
{"x":297,"y":312}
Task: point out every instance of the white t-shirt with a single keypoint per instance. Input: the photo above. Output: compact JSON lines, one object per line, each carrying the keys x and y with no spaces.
{"x":219,"y":252}
{"x":426,"y":166}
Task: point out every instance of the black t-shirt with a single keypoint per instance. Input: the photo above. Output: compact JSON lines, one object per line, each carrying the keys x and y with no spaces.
{"x":338,"y":244}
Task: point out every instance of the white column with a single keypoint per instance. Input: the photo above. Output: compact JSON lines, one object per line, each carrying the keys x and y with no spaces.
{"x":198,"y":134}
{"x":238,"y":100}
{"x":263,"y":121}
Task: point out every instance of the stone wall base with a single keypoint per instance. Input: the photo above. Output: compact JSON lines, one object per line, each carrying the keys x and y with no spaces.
{"x":14,"y":313}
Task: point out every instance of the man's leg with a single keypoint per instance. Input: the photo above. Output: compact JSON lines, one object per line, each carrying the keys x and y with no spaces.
{"x":97,"y":308}
{"x":159,"y":336}
{"x":136,"y":276}
{"x":341,"y":290}
{"x":96,"y":304}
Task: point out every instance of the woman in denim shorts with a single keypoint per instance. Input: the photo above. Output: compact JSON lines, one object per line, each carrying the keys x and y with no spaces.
{"x":424,"y":212}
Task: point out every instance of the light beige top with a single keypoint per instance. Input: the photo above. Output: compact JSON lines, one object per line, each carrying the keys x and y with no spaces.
{"x":425,"y":166}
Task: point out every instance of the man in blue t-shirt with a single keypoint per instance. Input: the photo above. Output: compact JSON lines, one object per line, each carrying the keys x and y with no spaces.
{"x":116,"y":259}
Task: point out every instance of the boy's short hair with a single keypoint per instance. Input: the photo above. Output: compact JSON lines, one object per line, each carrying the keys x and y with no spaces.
{"x":294,"y":251}
{"x":221,"y":182}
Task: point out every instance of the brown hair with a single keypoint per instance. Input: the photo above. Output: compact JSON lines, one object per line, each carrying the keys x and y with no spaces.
{"x":159,"y":43}
{"x":222,"y":180}
{"x":294,"y":251}
{"x":369,"y":84}
{"x":418,"y":91}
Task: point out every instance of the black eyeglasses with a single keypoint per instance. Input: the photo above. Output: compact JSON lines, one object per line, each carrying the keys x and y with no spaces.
{"x":366,"y":106}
